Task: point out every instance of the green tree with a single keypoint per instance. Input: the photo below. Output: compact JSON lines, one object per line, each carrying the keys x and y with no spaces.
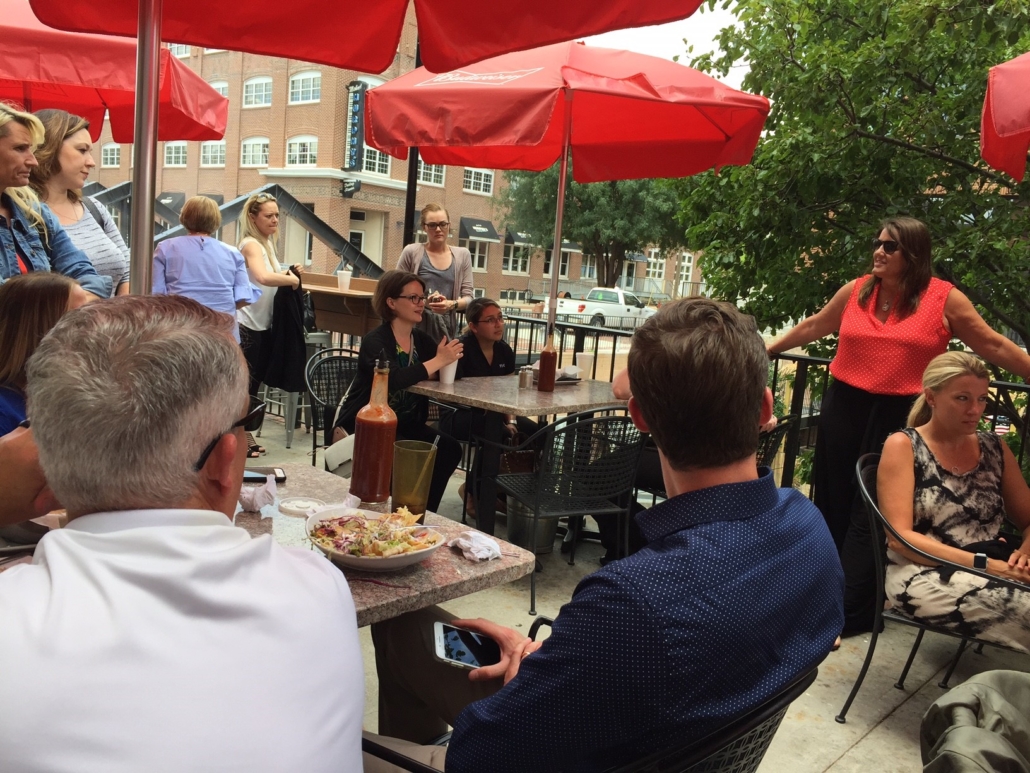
{"x":875,"y":112}
{"x":607,"y":219}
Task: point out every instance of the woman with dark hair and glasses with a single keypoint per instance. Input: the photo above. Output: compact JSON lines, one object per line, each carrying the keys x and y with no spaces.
{"x":399,"y":300}
{"x":891,"y":323}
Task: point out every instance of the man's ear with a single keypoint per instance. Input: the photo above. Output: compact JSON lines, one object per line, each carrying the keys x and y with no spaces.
{"x":767,"y":407}
{"x":219,"y":469}
{"x":637,"y":415}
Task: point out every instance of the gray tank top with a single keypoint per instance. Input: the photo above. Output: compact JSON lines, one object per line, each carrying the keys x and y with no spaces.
{"x":437,"y":281}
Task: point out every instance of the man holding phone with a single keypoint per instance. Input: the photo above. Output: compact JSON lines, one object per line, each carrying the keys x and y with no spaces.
{"x":737,"y":592}
{"x":150,"y":633}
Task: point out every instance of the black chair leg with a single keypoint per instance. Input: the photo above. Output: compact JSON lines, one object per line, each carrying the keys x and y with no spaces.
{"x":842,"y":717}
{"x":900,"y":684}
{"x":575,"y":527}
{"x":943,"y":684}
{"x":979,"y":649}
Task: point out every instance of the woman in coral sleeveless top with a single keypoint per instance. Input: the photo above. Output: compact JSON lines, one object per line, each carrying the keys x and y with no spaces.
{"x":892,"y":322}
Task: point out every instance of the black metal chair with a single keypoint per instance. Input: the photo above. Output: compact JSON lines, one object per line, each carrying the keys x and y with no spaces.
{"x":769,"y":442}
{"x":866,"y":472}
{"x":328,"y":375}
{"x":587,"y":466}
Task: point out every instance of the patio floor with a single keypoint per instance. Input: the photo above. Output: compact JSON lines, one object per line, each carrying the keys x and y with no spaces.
{"x":882,"y":731}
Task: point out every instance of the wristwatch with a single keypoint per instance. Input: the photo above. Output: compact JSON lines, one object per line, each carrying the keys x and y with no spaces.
{"x":980,"y":561}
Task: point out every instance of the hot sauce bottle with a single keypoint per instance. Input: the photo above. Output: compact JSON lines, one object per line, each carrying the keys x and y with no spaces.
{"x":548,"y":365}
{"x":375,"y":431}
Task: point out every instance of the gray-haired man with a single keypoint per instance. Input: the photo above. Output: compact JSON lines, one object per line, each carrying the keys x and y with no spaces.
{"x":150,"y":634}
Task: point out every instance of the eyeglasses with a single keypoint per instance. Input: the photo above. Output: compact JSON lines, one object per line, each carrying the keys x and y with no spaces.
{"x":261,"y":198}
{"x":418,"y":300}
{"x":499,"y":319}
{"x":889,"y":246}
{"x":437,"y":225}
{"x":251,"y":423}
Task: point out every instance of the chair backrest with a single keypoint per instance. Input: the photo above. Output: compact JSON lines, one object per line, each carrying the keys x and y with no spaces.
{"x":738,"y":747}
{"x":769,"y":442}
{"x":328,"y":379}
{"x":591,"y":454}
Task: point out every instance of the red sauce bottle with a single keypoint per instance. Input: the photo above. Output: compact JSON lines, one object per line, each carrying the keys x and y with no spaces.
{"x":548,"y":365}
{"x":375,"y":431}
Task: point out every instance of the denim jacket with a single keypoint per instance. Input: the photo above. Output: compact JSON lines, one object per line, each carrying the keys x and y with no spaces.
{"x":67,"y":258}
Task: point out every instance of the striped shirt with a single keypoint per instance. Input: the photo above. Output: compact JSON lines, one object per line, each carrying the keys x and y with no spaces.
{"x":104,"y":246}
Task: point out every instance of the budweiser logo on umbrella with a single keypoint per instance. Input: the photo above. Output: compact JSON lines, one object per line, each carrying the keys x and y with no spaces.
{"x":485,"y":78}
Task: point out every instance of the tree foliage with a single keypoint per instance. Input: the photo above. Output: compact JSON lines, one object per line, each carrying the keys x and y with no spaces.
{"x":875,"y":112}
{"x":607,"y":219}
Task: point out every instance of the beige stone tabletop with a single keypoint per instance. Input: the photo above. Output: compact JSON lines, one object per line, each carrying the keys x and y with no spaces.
{"x":445,"y":575}
{"x":502,"y":394}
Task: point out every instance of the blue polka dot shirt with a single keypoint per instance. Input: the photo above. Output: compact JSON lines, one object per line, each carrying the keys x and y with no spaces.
{"x":738,"y":591}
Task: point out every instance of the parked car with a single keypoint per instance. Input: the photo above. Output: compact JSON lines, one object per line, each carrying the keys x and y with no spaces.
{"x":605,"y":307}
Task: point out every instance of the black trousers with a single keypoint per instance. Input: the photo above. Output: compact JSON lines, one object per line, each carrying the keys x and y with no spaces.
{"x":853,"y":422}
{"x":257,"y":348}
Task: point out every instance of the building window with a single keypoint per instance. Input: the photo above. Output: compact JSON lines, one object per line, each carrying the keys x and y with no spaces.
{"x":516,"y":259}
{"x":212,"y":153}
{"x":478,"y":292}
{"x":257,"y":92}
{"x":478,"y":251}
{"x":685,"y":273}
{"x":479,"y":181}
{"x":375,"y":162}
{"x":175,"y":154}
{"x":255,"y":152}
{"x":305,"y":87}
{"x":302,"y":151}
{"x":178,"y":49}
{"x":588,"y":269}
{"x":655,"y":265}
{"x":563,"y":266}
{"x":357,"y":239}
{"x":431,"y":174}
{"x":213,"y":50}
{"x":222,"y":87}
{"x":421,"y":237}
{"x":513,"y":295}
{"x":111,"y":155}
{"x":116,"y":216}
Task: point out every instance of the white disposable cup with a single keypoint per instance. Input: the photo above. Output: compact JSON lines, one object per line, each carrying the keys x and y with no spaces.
{"x":585,"y":362}
{"x":343,"y":278}
{"x":447,"y":373}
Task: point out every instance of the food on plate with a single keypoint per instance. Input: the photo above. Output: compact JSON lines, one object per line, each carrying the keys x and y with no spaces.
{"x":374,"y":537}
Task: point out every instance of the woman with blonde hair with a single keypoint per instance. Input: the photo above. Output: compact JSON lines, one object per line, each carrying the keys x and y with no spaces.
{"x":200,"y":266}
{"x":446,"y":270}
{"x":31,"y":239}
{"x":259,"y":227}
{"x":947,"y":488}
{"x":65,"y":161}
{"x":29,"y":306}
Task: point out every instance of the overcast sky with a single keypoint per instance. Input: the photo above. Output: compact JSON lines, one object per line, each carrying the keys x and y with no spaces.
{"x":666,"y":40}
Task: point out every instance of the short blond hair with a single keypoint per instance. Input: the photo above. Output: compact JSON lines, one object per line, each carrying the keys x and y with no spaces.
{"x":24,"y":197}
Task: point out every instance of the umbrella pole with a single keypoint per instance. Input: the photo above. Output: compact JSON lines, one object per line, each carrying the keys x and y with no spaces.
{"x":144,"y":147}
{"x":552,"y":306}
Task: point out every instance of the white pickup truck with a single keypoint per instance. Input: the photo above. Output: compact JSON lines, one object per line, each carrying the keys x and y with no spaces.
{"x":605,"y":307}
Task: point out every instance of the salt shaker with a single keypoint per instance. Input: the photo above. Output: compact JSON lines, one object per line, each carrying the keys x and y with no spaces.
{"x":526,"y":377}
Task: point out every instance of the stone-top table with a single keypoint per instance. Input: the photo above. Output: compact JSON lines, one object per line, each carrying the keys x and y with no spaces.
{"x":445,"y":575}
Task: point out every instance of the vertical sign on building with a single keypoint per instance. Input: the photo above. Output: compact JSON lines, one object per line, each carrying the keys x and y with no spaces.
{"x":354,"y":138}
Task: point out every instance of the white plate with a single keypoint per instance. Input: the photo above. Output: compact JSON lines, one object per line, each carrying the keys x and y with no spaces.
{"x":367,"y":563}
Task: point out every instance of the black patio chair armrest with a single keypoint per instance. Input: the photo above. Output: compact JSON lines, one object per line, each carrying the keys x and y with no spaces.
{"x":395,"y":758}
{"x":526,"y":445}
{"x":535,"y":628}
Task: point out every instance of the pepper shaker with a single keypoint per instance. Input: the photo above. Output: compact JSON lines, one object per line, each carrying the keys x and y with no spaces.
{"x":526,"y":377}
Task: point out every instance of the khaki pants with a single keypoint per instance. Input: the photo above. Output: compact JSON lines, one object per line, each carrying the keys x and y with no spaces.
{"x":419,"y":697}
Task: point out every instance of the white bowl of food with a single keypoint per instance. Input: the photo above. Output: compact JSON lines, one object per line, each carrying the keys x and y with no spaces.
{"x":372,"y":542}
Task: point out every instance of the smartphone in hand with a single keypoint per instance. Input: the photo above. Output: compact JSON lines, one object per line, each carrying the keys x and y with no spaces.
{"x":462,"y":648}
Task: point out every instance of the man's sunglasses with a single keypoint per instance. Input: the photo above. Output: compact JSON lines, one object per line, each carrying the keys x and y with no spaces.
{"x":889,"y":246}
{"x":250,"y":423}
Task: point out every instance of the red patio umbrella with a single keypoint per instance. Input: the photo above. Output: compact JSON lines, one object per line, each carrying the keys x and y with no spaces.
{"x":621,"y":115}
{"x":365,"y":35}
{"x":41,"y":67}
{"x":1005,"y":126}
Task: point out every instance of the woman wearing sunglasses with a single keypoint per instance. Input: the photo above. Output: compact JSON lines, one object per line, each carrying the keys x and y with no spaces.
{"x":399,"y":300}
{"x":891,"y":323}
{"x":446,"y":270}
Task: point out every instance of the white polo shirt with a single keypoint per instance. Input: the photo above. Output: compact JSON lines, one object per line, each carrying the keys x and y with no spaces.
{"x":170,"y":640}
